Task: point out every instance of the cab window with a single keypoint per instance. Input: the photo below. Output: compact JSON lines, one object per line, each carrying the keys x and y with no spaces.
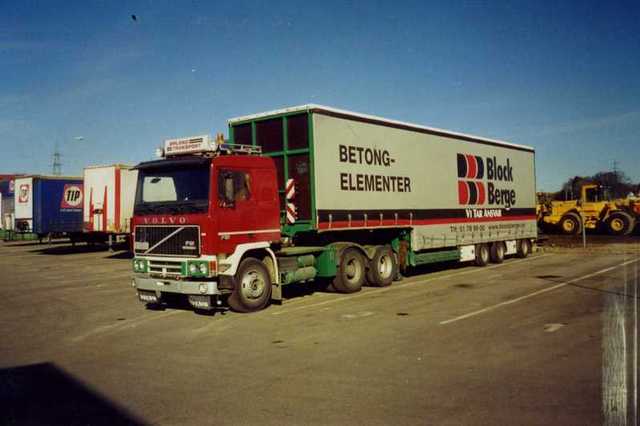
{"x":234,"y":186}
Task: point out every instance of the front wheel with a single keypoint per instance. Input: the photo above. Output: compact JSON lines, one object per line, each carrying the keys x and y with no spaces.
{"x":252,"y":287}
{"x":570,"y":224}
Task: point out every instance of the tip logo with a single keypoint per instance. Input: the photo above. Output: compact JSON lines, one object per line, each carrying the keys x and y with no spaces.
{"x":71,"y":197}
{"x":469,"y":191}
{"x":23,"y":194}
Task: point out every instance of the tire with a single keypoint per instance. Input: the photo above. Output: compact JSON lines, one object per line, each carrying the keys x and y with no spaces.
{"x":351,"y":272}
{"x":497,"y":252}
{"x":383,"y":267}
{"x":523,"y":249}
{"x":482,"y":255}
{"x":570,"y":224}
{"x":252,"y":287}
{"x":620,"y":223}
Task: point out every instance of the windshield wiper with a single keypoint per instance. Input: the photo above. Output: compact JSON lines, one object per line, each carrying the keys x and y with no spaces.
{"x":194,"y":206}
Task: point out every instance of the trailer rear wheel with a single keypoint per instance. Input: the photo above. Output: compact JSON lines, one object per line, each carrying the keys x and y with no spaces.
{"x":252,"y":287}
{"x":383,"y":267}
{"x":497,"y":252}
{"x":482,"y":255}
{"x":620,"y":223}
{"x":570,"y":224}
{"x":524,"y":248}
{"x":351,"y":272}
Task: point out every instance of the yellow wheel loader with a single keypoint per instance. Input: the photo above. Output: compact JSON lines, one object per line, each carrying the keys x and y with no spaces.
{"x":618,"y":217}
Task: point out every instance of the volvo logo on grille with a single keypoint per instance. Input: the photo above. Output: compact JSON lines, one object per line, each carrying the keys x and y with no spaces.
{"x":165,"y":220}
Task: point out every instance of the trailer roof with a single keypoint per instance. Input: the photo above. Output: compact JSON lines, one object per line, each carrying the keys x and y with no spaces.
{"x":375,"y":120}
{"x":104,"y":166}
{"x":51,"y":177}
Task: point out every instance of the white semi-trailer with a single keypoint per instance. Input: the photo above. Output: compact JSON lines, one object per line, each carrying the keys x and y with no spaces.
{"x":108,"y":202}
{"x":343,"y":196}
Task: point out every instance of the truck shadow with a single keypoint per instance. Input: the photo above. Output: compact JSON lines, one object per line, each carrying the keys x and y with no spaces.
{"x":32,"y":243}
{"x":123,"y":254}
{"x":43,"y":393}
{"x":68,"y":248}
{"x":435,"y":267}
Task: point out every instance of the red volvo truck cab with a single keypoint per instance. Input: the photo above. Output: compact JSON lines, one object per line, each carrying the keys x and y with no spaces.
{"x":317,"y":193}
{"x":198,"y":211}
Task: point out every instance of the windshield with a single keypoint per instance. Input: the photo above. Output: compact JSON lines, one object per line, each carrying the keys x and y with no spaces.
{"x":179,"y":189}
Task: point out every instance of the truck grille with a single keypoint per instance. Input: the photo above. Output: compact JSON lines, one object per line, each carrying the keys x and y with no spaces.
{"x":165,"y":268}
{"x":181,"y":241}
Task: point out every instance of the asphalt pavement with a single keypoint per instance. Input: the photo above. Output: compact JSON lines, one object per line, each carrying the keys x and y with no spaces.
{"x":543,"y":340}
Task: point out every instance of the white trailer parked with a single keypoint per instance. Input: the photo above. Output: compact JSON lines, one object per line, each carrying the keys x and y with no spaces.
{"x":108,"y":203}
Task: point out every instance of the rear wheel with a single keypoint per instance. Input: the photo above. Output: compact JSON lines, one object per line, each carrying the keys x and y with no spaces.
{"x":252,"y":286}
{"x":482,"y":255}
{"x":351,"y":272}
{"x":382,"y":268}
{"x":524,"y":248}
{"x":497,"y":252}
{"x":620,"y":223}
{"x":570,"y":224}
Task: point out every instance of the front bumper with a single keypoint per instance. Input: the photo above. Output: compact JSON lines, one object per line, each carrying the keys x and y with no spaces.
{"x":163,"y":285}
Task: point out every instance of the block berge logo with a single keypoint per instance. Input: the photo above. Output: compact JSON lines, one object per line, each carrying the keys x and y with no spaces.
{"x":470,"y":189}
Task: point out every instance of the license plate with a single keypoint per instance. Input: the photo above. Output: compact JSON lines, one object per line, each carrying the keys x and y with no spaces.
{"x":141,"y":245}
{"x":200,"y":302}
{"x":147,"y":296}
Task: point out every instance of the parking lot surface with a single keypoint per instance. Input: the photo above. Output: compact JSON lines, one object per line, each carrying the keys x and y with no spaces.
{"x":530,"y":341}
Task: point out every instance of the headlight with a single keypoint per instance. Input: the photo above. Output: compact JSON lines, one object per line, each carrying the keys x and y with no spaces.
{"x":203,"y":268}
{"x":139,"y":265}
{"x":193,"y":269}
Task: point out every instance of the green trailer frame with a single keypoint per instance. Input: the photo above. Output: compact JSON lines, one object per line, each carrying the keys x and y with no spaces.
{"x":303,"y":225}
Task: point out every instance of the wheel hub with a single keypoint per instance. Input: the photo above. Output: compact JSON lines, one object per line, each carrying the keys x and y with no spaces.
{"x":253,"y":285}
{"x":617,"y":225}
{"x":385,"y":266}
{"x":353,"y":270}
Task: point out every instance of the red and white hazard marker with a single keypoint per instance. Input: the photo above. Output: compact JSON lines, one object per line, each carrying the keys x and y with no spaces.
{"x":290,"y":189}
{"x":291,"y":213}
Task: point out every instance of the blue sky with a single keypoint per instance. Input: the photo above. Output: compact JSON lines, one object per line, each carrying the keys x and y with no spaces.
{"x":563,"y":77}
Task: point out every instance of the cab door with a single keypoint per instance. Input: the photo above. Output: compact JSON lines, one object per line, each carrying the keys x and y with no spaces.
{"x":235,"y":207}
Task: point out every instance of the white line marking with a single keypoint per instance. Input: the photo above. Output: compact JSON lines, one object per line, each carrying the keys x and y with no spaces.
{"x":357,"y":315}
{"x":550,"y":328}
{"x":408,"y":282}
{"x":536,"y":293}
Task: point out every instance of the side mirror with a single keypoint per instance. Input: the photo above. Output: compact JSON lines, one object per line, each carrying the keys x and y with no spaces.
{"x":227,"y":193}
